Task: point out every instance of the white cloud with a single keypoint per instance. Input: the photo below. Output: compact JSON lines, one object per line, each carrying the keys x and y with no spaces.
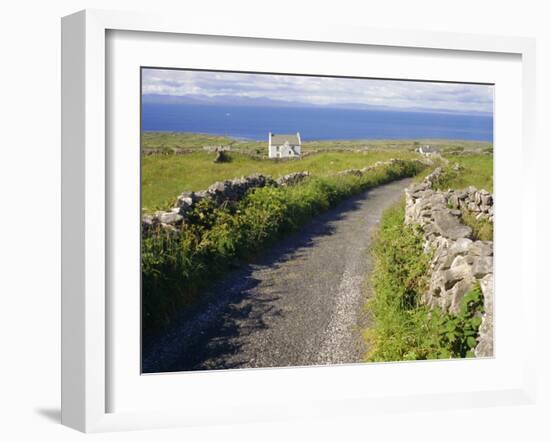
{"x":320,"y":90}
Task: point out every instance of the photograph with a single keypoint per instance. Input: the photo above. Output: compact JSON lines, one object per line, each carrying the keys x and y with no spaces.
{"x":292,"y":220}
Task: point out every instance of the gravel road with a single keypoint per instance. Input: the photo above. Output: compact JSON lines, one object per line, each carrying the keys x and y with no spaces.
{"x":300,"y":304}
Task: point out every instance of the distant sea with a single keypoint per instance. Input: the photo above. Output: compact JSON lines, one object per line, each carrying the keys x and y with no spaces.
{"x":254,"y":123}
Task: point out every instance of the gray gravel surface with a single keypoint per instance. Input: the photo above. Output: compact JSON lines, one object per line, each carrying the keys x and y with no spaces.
{"x":300,"y":304}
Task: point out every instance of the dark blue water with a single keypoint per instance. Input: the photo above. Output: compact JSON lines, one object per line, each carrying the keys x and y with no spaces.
{"x":314,"y":123}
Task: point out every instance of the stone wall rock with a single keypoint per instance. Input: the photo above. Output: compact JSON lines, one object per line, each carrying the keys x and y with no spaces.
{"x":228,"y":191}
{"x":479,"y":202}
{"x":458,"y":262}
{"x":292,"y":178}
{"x":485,"y":341}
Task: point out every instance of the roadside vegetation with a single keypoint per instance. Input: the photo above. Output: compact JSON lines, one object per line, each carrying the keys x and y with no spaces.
{"x":402,"y":328}
{"x":176,"y":268}
{"x":164,"y":177}
{"x":482,"y":229}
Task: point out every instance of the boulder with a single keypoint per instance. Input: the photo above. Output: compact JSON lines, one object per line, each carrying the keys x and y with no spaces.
{"x":482,"y":266}
{"x":482,"y":248}
{"x":449,"y":226}
{"x":184,"y":201}
{"x":457,"y":293}
{"x":460,"y":247}
{"x":487,"y":199}
{"x":147,"y":224}
{"x":218,"y":187}
{"x":170,"y":218}
{"x":485,"y":344}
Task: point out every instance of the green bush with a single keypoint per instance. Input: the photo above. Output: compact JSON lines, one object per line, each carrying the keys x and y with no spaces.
{"x":402,"y":328}
{"x":176,"y":267}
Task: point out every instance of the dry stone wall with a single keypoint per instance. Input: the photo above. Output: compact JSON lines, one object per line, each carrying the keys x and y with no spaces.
{"x":458,"y":261}
{"x":221,"y":192}
{"x":479,"y":202}
{"x":230,"y":191}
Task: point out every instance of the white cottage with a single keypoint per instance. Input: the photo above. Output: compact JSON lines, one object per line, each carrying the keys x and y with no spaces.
{"x":427,"y":150}
{"x":285,"y":146}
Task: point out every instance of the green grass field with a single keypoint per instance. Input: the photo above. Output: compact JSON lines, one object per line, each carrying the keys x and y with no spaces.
{"x":164,"y":177}
{"x":167,"y":142}
{"x":475,"y":170}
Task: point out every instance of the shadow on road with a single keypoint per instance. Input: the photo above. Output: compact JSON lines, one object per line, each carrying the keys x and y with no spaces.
{"x":205,"y":337}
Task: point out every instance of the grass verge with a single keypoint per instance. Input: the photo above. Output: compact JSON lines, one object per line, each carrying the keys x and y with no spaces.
{"x":402,"y":328}
{"x":482,"y":229}
{"x":177,"y":268}
{"x":473,"y":170}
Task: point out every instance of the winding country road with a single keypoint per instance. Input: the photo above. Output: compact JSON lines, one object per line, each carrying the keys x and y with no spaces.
{"x":301,"y":304}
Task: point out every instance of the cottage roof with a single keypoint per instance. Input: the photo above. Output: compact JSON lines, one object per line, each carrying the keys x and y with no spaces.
{"x":282,"y":139}
{"x":429,"y":149}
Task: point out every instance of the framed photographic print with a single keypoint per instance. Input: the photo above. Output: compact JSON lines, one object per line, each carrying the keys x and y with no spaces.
{"x":249,"y":215}
{"x":262,"y":260}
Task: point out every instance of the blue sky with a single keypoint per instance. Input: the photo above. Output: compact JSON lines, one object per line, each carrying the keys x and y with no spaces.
{"x":285,"y":90}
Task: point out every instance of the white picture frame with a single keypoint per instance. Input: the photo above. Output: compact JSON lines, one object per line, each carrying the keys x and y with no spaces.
{"x":86,"y":357}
